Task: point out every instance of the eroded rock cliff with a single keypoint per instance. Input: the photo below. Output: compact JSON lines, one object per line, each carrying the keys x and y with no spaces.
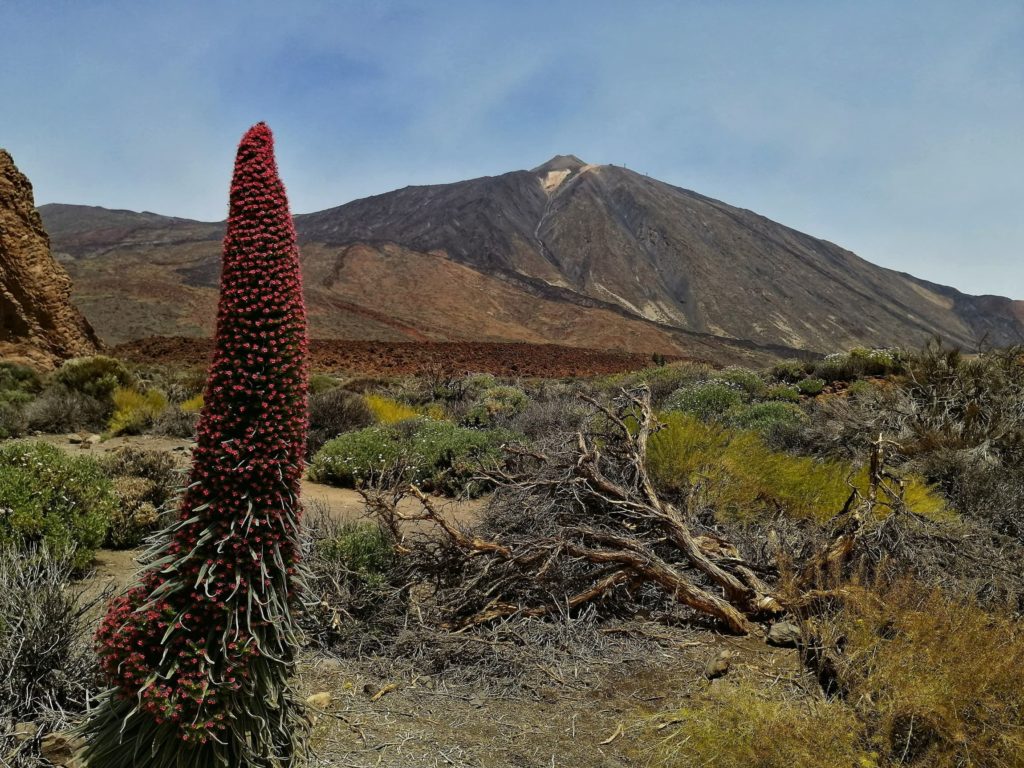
{"x":38,"y":322}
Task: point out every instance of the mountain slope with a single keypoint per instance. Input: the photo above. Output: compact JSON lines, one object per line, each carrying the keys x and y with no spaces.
{"x":567,"y":252}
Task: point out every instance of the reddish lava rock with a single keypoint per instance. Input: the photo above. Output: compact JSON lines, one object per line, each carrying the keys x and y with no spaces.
{"x":377,"y":358}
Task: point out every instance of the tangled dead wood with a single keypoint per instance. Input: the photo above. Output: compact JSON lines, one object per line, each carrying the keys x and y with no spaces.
{"x":574,"y":521}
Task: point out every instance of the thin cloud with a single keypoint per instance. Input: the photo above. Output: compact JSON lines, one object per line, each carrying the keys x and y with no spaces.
{"x":891,"y":129}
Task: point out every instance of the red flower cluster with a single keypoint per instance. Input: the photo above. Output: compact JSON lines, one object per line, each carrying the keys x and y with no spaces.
{"x":209,"y":628}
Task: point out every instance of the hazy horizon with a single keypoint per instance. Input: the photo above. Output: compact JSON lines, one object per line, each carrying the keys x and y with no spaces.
{"x":891,"y":131}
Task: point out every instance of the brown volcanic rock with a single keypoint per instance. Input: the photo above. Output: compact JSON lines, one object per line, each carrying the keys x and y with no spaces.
{"x":38,"y":323}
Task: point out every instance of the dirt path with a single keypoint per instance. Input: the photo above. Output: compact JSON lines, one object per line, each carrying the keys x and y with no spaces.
{"x":342,"y":504}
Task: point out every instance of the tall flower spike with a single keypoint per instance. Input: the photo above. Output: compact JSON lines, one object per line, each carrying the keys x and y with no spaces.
{"x":198,"y":654}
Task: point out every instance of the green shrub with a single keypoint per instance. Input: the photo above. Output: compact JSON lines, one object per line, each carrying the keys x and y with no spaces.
{"x":858,"y":362}
{"x":784,"y":393}
{"x":706,"y":400}
{"x":363,"y":549}
{"x":134,"y":411}
{"x":743,"y":479}
{"x":18,"y":383}
{"x":811,"y":386}
{"x":51,"y":497}
{"x":767,"y":419}
{"x":743,"y":378}
{"x":96,"y":376}
{"x":438,"y":455}
{"x":790,"y":371}
{"x":319,"y":383}
{"x":497,"y":405}
{"x":662,"y":380}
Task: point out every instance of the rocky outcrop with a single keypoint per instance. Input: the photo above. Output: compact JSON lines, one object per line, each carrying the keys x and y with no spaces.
{"x":38,"y":323}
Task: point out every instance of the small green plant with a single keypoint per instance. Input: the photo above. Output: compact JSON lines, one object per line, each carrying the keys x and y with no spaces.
{"x":18,"y":383}
{"x":363,"y":549}
{"x":320,"y":382}
{"x":766,"y":419}
{"x":438,"y":455}
{"x":706,"y":400}
{"x":811,"y":386}
{"x":47,"y":496}
{"x":96,"y":376}
{"x":784,"y":393}
{"x":192,"y":405}
{"x":134,"y":410}
{"x":497,"y":405}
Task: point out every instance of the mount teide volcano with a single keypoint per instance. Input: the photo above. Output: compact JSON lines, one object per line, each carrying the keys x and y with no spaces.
{"x":569,"y":253}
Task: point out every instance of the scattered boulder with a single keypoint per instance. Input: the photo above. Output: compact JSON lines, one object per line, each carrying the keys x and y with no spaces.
{"x":784,"y":634}
{"x":62,"y":749}
{"x":718,"y":666}
{"x":320,"y":700}
{"x":26,"y":731}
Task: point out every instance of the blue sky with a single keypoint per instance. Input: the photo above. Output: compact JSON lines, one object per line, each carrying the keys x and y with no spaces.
{"x":895,"y":129}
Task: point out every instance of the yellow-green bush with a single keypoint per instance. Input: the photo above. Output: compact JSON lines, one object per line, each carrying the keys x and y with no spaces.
{"x":741,"y":727}
{"x":937,"y":682}
{"x":192,"y":405}
{"x":388,"y":411}
{"x":744,"y":479}
{"x":923,"y":680}
{"x":134,"y":410}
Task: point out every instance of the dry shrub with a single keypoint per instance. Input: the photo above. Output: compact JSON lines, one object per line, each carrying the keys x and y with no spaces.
{"x":333,"y":412}
{"x":63,"y":410}
{"x":135,"y":516}
{"x":936,"y":681}
{"x":350,"y":604}
{"x":739,"y":727}
{"x":144,"y":482}
{"x":47,"y":668}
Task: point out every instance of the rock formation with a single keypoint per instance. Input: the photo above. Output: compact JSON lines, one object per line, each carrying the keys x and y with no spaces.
{"x":38,"y":323}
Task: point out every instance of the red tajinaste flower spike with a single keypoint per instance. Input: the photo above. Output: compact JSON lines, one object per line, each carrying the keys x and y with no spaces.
{"x":199,"y":654}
